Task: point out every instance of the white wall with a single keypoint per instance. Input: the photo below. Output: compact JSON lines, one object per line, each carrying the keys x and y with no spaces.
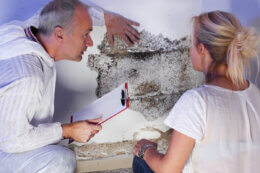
{"x":19,"y":9}
{"x":76,"y":83}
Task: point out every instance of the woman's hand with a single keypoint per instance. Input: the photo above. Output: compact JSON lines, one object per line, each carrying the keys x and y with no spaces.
{"x":141,"y":143}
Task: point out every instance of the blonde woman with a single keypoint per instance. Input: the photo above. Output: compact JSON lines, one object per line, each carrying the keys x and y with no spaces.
{"x":216,"y":127}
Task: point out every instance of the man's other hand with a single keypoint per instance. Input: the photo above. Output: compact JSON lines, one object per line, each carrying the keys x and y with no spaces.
{"x":121,"y":26}
{"x":81,"y":131}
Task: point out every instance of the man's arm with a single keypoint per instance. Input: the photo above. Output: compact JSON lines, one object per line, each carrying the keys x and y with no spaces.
{"x":19,"y":103}
{"x":178,"y":152}
{"x":18,"y":135}
{"x":21,"y":93}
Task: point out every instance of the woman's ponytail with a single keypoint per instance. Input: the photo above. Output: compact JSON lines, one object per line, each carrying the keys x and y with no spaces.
{"x":227,"y":42}
{"x":244,"y":46}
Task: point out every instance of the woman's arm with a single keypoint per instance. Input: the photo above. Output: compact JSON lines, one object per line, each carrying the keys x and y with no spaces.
{"x":177,"y":154}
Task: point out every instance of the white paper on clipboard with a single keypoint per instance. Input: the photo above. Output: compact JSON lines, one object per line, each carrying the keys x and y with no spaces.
{"x":107,"y":106}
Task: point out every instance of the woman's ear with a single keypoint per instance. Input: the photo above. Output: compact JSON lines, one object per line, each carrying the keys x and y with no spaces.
{"x":201,"y":49}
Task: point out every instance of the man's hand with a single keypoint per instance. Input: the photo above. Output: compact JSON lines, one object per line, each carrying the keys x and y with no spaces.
{"x":81,"y":131}
{"x":119,"y":25}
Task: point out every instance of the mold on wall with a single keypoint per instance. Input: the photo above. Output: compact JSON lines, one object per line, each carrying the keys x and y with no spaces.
{"x":158,"y":71}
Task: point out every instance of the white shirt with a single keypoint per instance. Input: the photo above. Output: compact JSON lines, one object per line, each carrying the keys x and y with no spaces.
{"x":225,"y":125}
{"x":27,"y":85}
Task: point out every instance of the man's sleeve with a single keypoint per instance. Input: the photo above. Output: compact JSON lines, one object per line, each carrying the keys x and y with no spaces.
{"x":188,"y":116}
{"x":96,"y":13}
{"x":19,"y":101}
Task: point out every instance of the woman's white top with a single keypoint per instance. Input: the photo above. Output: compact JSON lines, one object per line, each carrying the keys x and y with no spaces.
{"x":225,"y":125}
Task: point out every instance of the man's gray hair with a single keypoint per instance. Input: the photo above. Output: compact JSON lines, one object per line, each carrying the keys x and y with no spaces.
{"x":57,"y":13}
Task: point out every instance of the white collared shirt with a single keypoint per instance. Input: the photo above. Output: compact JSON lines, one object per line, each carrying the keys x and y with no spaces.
{"x":27,"y":85}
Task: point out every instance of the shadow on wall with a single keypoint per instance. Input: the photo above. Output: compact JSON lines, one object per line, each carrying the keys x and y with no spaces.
{"x":248,"y":12}
{"x":64,"y":106}
{"x":67,"y":101}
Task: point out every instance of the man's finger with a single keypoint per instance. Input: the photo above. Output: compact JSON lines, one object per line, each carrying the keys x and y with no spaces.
{"x":97,"y":120}
{"x":124,"y":37}
{"x":131,"y":36}
{"x":133,"y":31}
{"x":96,"y":128}
{"x":131,"y":22}
{"x":95,"y":131}
{"x":111,"y":39}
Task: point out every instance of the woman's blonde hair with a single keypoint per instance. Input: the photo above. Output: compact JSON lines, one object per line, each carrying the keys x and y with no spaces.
{"x":227,"y":42}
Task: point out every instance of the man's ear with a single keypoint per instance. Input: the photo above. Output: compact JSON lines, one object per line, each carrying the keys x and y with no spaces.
{"x":59,"y":34}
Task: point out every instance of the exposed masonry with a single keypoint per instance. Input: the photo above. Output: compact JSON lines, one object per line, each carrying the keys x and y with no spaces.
{"x":105,"y":150}
{"x":157,"y":70}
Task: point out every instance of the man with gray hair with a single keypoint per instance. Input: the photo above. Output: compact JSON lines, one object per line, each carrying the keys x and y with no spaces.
{"x":27,"y":83}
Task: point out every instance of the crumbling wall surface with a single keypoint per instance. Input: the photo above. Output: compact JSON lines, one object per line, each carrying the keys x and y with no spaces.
{"x":157,"y":70}
{"x":105,"y":150}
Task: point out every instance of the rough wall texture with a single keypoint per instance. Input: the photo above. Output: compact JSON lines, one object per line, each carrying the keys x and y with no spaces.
{"x":157,"y":70}
{"x":105,"y":150}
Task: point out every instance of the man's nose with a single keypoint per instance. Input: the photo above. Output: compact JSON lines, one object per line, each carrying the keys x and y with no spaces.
{"x":89,"y":42}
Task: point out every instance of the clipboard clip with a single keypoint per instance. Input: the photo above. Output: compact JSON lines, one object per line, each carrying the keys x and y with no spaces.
{"x":123,"y":97}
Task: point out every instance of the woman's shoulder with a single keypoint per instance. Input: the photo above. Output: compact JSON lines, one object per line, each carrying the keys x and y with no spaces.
{"x":194,"y":96}
{"x":202,"y":94}
{"x":196,"y":92}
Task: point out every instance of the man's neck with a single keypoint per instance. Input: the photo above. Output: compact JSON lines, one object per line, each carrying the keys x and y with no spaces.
{"x":47,"y":44}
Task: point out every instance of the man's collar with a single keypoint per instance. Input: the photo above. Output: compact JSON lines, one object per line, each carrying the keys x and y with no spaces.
{"x":31,"y":32}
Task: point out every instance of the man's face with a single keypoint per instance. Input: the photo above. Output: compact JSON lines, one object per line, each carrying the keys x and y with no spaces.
{"x":77,"y":37}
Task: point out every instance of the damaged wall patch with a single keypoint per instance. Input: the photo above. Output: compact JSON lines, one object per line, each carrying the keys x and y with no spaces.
{"x":157,"y":70}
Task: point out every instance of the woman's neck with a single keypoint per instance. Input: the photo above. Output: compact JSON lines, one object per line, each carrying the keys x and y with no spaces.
{"x":223,"y":81}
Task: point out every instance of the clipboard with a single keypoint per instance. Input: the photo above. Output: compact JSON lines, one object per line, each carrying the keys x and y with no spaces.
{"x":108,"y":106}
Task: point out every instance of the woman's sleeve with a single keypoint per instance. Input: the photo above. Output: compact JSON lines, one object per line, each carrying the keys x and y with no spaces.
{"x":188,"y":116}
